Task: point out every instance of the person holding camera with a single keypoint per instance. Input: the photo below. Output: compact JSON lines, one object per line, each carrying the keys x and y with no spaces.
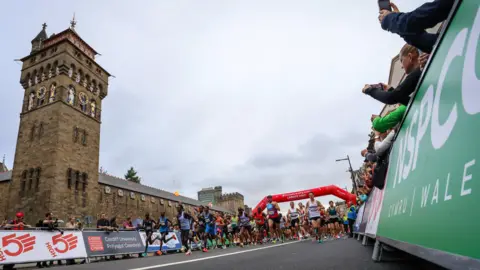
{"x":409,"y":58}
{"x":411,"y":26}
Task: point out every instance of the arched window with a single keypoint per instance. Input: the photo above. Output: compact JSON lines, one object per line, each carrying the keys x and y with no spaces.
{"x":77,"y":180}
{"x":49,"y":71}
{"x":41,"y":93}
{"x":43,"y":77}
{"x":86,"y":81}
{"x":52,"y":93}
{"x":71,"y":71}
{"x":93,"y":87}
{"x":32,"y":131}
{"x":93,"y":108}
{"x":37,"y":180}
{"x":31,"y":100}
{"x":35,"y":77}
{"x":69,"y":178}
{"x":71,"y":95}
{"x":24,"y":181}
{"x":56,"y":68}
{"x":31,"y":175}
{"x":84,"y":137}
{"x":79,"y":76}
{"x":84,"y":182}
{"x":40,"y":130}
{"x":28,"y":80}
{"x":75,"y":134}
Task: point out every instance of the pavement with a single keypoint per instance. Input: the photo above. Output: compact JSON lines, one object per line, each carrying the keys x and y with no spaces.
{"x":338,"y":254}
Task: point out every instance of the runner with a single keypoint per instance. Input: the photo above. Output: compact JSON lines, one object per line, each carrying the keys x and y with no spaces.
{"x":185,"y":221}
{"x":273,"y":218}
{"x":333,"y":220}
{"x":220,"y":229}
{"x":163,"y":222}
{"x":235,"y":228}
{"x":201,"y":223}
{"x":293,"y":216}
{"x":148,"y":225}
{"x":323,"y":223}
{"x":313,"y":207}
{"x":209,"y":229}
{"x":282,"y":227}
{"x":259,"y":217}
{"x":244,"y":223}
{"x":304,"y":225}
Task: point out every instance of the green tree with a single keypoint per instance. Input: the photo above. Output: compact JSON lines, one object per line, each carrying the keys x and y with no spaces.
{"x":132,"y":176}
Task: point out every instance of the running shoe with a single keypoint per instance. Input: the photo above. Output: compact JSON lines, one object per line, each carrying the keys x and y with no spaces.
{"x":159,"y":253}
{"x":274,"y":241}
{"x":241,"y":245}
{"x":189,"y":252}
{"x":182,"y":249}
{"x":224,"y":247}
{"x":320,"y":241}
{"x":205,"y":250}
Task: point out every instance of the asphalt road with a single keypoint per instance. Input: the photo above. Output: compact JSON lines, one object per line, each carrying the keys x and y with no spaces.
{"x":339,"y":254}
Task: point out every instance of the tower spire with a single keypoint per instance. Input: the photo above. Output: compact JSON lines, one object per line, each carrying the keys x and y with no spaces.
{"x":73,"y":22}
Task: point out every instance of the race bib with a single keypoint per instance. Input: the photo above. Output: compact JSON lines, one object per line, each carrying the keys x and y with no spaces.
{"x":271,"y":213}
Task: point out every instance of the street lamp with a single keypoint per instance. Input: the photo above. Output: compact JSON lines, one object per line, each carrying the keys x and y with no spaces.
{"x":351,"y":172}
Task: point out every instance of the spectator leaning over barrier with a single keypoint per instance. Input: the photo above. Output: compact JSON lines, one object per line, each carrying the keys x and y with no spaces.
{"x":409,"y":58}
{"x":383,"y":141}
{"x":18,"y":225}
{"x":382,"y":124}
{"x":103,"y":223}
{"x":71,"y":224}
{"x":411,"y":26}
{"x":128,"y":225}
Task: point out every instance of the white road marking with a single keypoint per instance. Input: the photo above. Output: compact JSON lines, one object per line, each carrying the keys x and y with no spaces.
{"x":214,"y":256}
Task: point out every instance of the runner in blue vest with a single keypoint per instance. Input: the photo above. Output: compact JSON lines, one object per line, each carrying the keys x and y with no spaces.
{"x":209,"y":229}
{"x":163,"y":223}
{"x":333,"y":222}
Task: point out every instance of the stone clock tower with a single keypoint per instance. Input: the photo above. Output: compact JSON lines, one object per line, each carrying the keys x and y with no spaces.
{"x":57,"y":154}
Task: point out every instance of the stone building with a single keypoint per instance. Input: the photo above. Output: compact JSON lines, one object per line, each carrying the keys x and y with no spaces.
{"x":56,"y":164}
{"x":210,"y":194}
{"x":231,"y":201}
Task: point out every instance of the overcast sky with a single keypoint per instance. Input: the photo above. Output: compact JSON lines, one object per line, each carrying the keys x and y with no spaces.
{"x":257,"y":96}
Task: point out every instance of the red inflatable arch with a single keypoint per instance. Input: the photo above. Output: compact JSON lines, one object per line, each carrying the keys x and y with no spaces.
{"x":300,"y":195}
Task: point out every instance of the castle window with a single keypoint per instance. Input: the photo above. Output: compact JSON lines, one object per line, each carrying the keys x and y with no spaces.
{"x":84,"y":137}
{"x":32,"y":131}
{"x":30,"y":178}
{"x":40,"y":130}
{"x":52,"y":93}
{"x":71,"y":95}
{"x":75,"y":134}
{"x":37,"y":176}
{"x":24,"y":181}
{"x":41,"y":96}
{"x":84,"y":182}
{"x":93,"y":108}
{"x":77,"y":180}
{"x":31,"y":101}
{"x":69,"y":178}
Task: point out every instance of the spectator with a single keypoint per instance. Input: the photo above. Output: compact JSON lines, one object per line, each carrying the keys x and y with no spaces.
{"x":369,"y":156}
{"x":128,"y":225}
{"x":18,"y":225}
{"x":383,"y":142}
{"x":71,"y":224}
{"x":409,"y":58}
{"x":390,"y":120}
{"x":351,"y":216}
{"x":113,"y":223}
{"x":103,"y":223}
{"x":411,"y":26}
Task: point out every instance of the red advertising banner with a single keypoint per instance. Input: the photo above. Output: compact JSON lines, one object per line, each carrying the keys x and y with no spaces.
{"x":34,"y":246}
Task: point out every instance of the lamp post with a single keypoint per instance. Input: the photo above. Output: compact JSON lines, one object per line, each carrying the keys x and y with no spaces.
{"x":351,"y":172}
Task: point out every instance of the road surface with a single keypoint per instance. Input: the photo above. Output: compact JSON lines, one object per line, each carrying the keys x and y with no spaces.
{"x":339,"y":254}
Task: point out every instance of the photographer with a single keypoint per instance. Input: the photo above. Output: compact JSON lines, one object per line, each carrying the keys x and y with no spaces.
{"x":51,"y":224}
{"x":409,"y":58}
{"x":411,"y":25}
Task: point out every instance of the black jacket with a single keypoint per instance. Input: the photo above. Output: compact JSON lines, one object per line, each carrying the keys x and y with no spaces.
{"x":401,"y":94}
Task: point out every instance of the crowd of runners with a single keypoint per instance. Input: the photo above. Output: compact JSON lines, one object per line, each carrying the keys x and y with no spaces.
{"x":204,"y":230}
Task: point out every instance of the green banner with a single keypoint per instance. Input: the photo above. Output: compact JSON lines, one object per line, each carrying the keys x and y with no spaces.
{"x":433,"y":183}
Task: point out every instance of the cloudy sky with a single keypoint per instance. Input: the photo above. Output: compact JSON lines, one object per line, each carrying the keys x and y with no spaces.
{"x":257,"y":96}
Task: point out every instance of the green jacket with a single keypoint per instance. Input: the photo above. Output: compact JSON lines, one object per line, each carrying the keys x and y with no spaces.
{"x":382,"y":124}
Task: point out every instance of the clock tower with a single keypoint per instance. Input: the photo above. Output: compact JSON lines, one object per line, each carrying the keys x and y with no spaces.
{"x":57,"y":152}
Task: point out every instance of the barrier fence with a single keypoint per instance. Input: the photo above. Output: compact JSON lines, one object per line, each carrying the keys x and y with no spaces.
{"x":34,"y":245}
